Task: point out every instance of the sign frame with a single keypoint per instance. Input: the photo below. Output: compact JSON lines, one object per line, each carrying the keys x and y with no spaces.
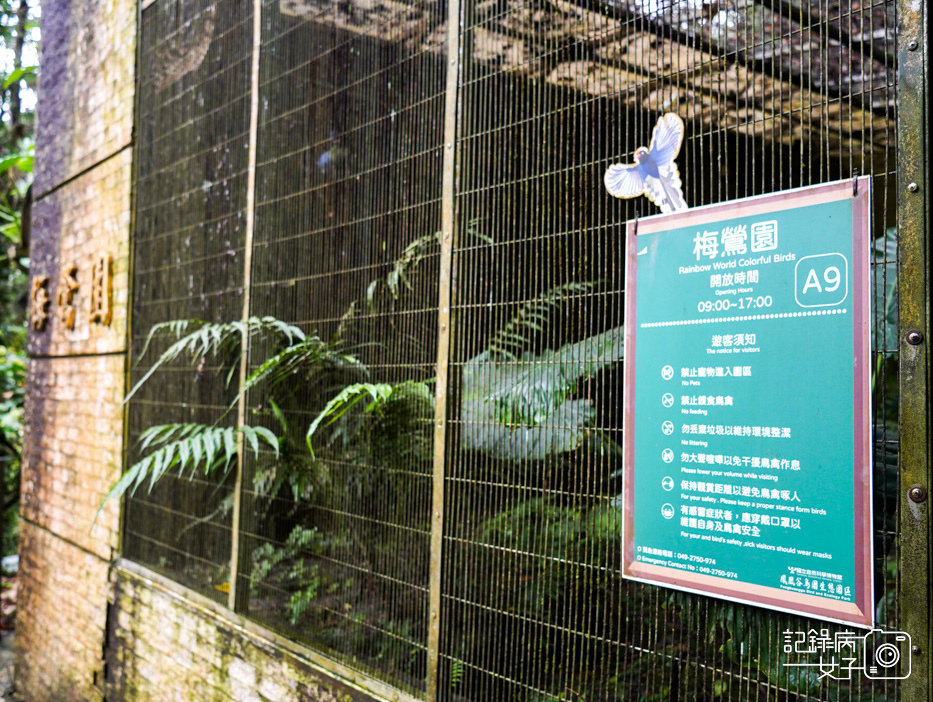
{"x":859,"y":612}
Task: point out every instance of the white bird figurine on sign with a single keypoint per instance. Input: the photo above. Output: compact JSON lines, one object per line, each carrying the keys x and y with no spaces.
{"x":654,"y":173}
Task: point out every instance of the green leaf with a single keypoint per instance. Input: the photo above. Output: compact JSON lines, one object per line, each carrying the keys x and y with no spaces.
{"x":523,"y":410}
{"x":251,"y":437}
{"x":141,"y":470}
{"x":308,"y":354}
{"x":209,"y":339}
{"x":17,"y":75}
{"x":347,"y":398}
{"x":122,"y":485}
{"x":229,"y":444}
{"x":519,"y":332}
{"x":210,"y":448}
{"x":279,"y":415}
{"x":202,"y":445}
{"x":269,"y":438}
{"x":184,"y":453}
{"x":196,"y":450}
{"x":23,"y":161}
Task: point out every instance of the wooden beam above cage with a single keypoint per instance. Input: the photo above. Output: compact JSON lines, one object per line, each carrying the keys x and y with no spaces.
{"x":758,"y":84}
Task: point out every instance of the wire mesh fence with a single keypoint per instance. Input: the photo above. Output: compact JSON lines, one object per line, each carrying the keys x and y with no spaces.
{"x":191,"y":164}
{"x":335,"y":515}
{"x":348,"y":199}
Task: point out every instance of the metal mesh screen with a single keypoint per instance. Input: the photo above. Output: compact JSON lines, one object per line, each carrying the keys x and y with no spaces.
{"x":333,"y":546}
{"x":191,"y":163}
{"x":535,"y":607}
{"x":348,"y":194}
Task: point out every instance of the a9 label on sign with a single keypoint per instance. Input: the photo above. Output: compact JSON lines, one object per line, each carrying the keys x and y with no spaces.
{"x":821,"y":281}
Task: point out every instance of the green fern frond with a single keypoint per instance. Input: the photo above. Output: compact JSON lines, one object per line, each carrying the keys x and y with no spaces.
{"x":345,"y":400}
{"x":413,"y":254}
{"x":307,"y":354}
{"x":509,"y":342}
{"x":182,"y":445}
{"x":177,"y":327}
{"x":209,"y":338}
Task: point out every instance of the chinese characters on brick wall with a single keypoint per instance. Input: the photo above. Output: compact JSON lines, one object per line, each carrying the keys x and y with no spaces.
{"x":100,"y":298}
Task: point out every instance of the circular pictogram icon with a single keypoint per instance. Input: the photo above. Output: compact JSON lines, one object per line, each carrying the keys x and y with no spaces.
{"x":667,"y":510}
{"x":667,"y":427}
{"x":667,"y":372}
{"x":667,"y":455}
{"x":667,"y":399}
{"x":887,"y":655}
{"x":667,"y":483}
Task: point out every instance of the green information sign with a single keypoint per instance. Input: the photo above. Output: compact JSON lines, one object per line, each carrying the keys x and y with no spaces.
{"x":747,"y":404}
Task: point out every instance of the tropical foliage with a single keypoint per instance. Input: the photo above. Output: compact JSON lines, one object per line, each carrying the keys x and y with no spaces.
{"x":18,"y":75}
{"x":521,"y":408}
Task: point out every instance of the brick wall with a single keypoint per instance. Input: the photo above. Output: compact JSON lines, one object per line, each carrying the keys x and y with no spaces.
{"x":73,"y":226}
{"x":85,"y":110}
{"x":62,"y":617}
{"x":74,"y":422}
{"x":169,"y":644}
{"x":75,"y":380}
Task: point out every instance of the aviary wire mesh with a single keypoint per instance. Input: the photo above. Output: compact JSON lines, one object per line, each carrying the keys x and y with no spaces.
{"x":191,"y":161}
{"x":334,"y":546}
{"x":347,"y":209}
{"x":771,"y":101}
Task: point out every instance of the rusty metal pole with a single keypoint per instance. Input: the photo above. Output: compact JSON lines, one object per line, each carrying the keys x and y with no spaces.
{"x":238,"y":597}
{"x":913,"y":227}
{"x":448,"y":238}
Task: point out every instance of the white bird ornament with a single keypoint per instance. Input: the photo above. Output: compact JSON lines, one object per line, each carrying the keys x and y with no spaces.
{"x":654,"y":173}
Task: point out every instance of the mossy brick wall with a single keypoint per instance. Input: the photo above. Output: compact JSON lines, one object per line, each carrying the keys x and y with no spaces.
{"x":169,"y":645}
{"x":85,"y":111}
{"x":75,"y":381}
{"x":62,"y":613}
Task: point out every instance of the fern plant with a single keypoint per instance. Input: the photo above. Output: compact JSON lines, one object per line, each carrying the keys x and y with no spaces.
{"x":531,"y":319}
{"x":181,"y":446}
{"x":288,"y":568}
{"x":211,"y":339}
{"x":518,"y":404}
{"x":211,"y":447}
